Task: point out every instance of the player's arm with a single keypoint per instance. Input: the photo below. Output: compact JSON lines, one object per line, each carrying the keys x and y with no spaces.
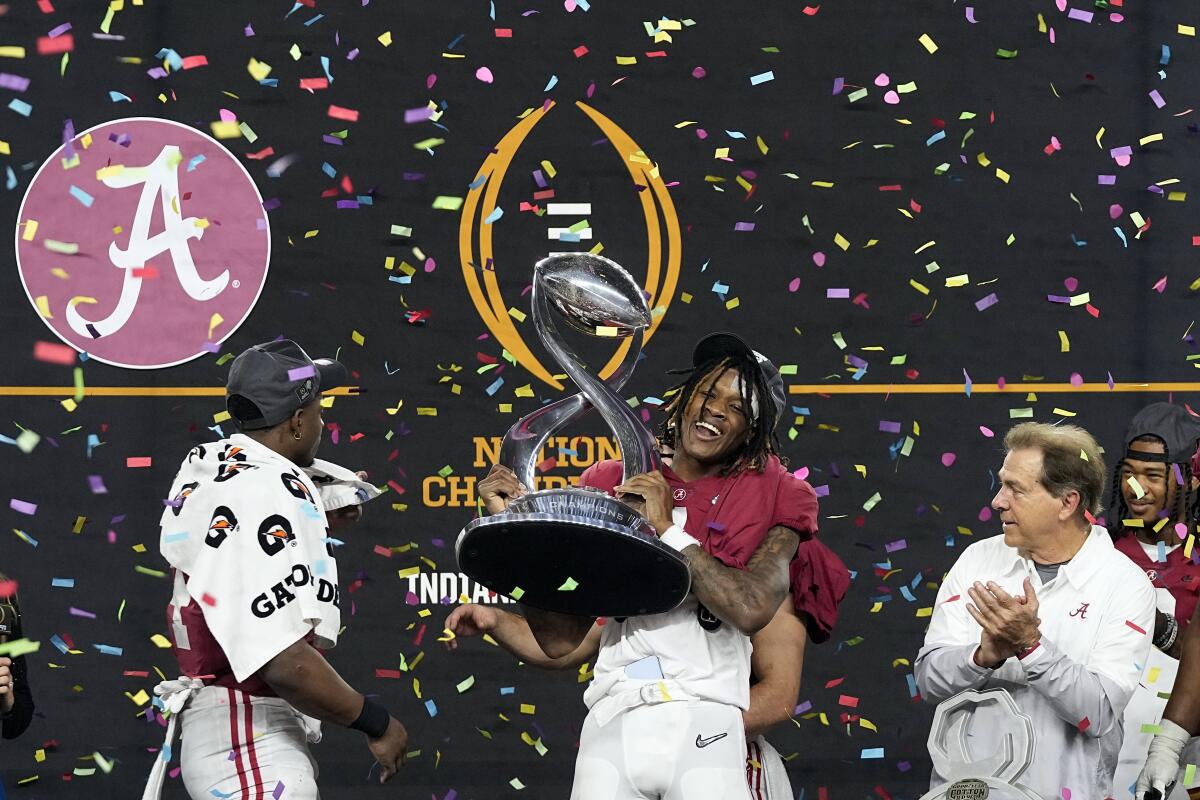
{"x":746,"y":599}
{"x":302,"y":677}
{"x":1184,"y":706}
{"x":514,"y":634}
{"x":776,"y":663}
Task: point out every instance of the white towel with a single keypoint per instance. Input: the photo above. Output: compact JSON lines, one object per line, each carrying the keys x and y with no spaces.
{"x":246,"y":526}
{"x":339,"y":487}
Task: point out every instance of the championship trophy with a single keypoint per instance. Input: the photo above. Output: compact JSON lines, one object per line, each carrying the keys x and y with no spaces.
{"x":575,"y":550}
{"x":975,"y":776}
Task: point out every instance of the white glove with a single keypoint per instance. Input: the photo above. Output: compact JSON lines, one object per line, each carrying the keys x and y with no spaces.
{"x":1162,"y":762}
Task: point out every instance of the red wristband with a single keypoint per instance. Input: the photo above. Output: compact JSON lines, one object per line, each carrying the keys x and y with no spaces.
{"x":1021,"y":655}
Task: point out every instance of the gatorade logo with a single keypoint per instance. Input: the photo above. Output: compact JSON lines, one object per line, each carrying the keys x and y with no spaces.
{"x":143,"y":243}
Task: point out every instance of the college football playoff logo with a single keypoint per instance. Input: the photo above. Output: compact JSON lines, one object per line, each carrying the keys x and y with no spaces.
{"x":481,"y":210}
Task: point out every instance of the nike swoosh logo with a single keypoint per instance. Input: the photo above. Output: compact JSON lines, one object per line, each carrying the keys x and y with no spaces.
{"x":706,"y":742}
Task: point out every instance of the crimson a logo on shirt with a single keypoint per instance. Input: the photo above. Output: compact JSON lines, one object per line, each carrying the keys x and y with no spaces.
{"x":142,"y":242}
{"x":1152,"y":574}
{"x":680,"y":494}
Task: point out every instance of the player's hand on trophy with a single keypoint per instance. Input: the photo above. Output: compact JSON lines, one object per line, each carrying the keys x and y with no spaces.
{"x":1162,"y":762}
{"x":654,"y":490}
{"x":7,"y":698}
{"x":499,"y":488}
{"x":389,"y":749}
{"x":470,"y":620}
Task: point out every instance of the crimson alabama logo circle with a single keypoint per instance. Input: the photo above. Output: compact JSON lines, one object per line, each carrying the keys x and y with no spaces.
{"x":143,"y":242}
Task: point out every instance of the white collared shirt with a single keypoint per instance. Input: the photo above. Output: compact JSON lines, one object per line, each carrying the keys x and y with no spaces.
{"x":1097,"y":620}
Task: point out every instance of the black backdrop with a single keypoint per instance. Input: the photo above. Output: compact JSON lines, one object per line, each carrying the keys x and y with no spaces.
{"x":893,"y":181}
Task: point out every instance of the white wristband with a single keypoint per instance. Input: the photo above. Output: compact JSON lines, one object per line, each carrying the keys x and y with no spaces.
{"x":678,"y":538}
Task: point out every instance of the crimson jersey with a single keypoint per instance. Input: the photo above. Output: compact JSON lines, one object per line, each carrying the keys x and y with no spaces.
{"x":196,"y":649}
{"x":1178,"y":575}
{"x":730,"y":516}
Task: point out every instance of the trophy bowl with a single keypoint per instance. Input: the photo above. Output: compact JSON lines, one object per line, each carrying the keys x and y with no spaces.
{"x":574,"y":551}
{"x":577,"y":550}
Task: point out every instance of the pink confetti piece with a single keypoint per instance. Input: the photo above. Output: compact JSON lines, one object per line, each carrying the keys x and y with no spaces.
{"x":985,"y":514}
{"x":948,"y":459}
{"x":986,"y":431}
{"x":882,"y":80}
{"x":300,"y":373}
{"x":1076,"y":379}
{"x":138,"y":462}
{"x":484,"y":74}
{"x":699,"y":72}
{"x":891,"y":98}
{"x":22,"y":506}
{"x":1135,"y":627}
{"x":794,"y":285}
{"x":819,"y":258}
{"x":987,"y":302}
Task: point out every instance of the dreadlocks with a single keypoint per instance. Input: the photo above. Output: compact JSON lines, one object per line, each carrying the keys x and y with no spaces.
{"x":1187,"y":500}
{"x":701,"y":378}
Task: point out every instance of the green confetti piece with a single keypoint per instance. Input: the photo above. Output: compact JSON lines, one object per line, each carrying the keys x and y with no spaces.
{"x":787,"y":369}
{"x":19,"y":647}
{"x":872,"y":501}
{"x":517,"y":593}
{"x":156,"y":573}
{"x":429,"y":144}
{"x":569,"y":585}
{"x":446,"y":471}
{"x":582,"y":225}
{"x":445,"y":203}
{"x":401,"y":230}
{"x":856,"y":95}
{"x":465,"y":684}
{"x":1002,"y":53}
{"x":516,"y":784}
{"x":1150,"y":728}
{"x":120,"y":609}
{"x":1189,"y":774}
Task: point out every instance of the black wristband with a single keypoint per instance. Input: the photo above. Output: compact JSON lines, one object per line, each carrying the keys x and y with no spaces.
{"x":373,"y":720}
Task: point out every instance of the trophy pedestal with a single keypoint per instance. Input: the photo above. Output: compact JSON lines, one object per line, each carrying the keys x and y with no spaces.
{"x":980,"y":776}
{"x":546,"y":554}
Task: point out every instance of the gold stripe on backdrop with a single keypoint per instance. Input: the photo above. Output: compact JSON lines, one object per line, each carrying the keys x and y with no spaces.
{"x":135,"y":391}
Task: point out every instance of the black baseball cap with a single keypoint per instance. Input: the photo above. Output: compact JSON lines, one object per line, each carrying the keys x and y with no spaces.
{"x":716,"y":346}
{"x":1179,"y":430}
{"x":269,"y":381}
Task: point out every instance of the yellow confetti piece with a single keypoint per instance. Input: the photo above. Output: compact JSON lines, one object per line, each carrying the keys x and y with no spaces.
{"x":69,"y":404}
{"x":732,"y":303}
{"x":385,"y":38}
{"x":1154,"y":137}
{"x":517,"y":314}
{"x":12,"y":51}
{"x":925,"y":612}
{"x":160,"y":641}
{"x":626,"y":61}
{"x":258,"y":70}
{"x":357,"y":338}
{"x":1181,"y":29}
{"x":1138,"y":491}
{"x":841,"y":241}
{"x":1064,"y":344}
{"x":920,"y":287}
{"x":1002,"y":175}
{"x":528,"y":708}
{"x":928,"y":43}
{"x":225,"y":129}
{"x":409,"y":572}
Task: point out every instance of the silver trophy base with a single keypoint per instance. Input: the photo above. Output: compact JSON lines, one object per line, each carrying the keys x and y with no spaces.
{"x":574,"y":551}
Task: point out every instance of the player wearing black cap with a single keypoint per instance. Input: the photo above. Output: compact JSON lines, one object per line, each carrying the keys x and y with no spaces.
{"x":255,"y":595}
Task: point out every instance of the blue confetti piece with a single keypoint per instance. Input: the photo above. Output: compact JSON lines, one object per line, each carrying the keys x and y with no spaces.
{"x":325,"y":68}
{"x":20,"y":106}
{"x":173,"y":59}
{"x":1121,"y":235}
{"x":57,"y":641}
{"x":10,"y":180}
{"x":912,"y":685}
{"x":1165,"y":58}
{"x":937,"y":137}
{"x":496,"y":214}
{"x":171,"y":538}
{"x":431,"y":707}
{"x":583,"y":4}
{"x":872,"y":752}
{"x":475,"y":184}
{"x":400,"y":278}
{"x":314,"y":20}
{"x":69,"y":583}
{"x":567,"y":236}
{"x":82,"y":196}
{"x":195,"y":162}
{"x":109,"y":650}
{"x":507,"y":690}
{"x":762,"y":77}
{"x":735,"y":134}
{"x":495,"y":387}
{"x":907,"y":594}
{"x":720,"y":288}
{"x":551,"y":83}
{"x":1162,"y":553}
{"x":117,"y":97}
{"x":328,"y":169}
